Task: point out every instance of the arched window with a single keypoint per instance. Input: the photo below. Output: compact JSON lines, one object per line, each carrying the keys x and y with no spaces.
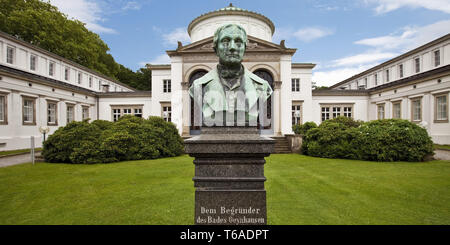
{"x":194,"y":76}
{"x":266,"y":75}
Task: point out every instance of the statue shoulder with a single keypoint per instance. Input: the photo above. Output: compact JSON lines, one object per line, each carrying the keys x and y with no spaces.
{"x":255,"y":78}
{"x":208,"y":77}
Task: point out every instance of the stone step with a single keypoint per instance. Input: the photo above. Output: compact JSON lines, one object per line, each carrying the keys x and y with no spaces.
{"x":281,"y":145}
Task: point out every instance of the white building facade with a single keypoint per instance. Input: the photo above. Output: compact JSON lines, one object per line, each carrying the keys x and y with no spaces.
{"x":38,"y":88}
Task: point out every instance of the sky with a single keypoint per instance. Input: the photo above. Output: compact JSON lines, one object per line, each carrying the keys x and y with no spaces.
{"x":341,"y":37}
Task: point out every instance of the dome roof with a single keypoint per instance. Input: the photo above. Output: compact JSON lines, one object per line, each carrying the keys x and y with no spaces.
{"x":231,"y":10}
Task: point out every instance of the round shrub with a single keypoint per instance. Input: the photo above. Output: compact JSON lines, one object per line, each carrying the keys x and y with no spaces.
{"x":393,"y":140}
{"x":168,"y":141}
{"x":379,"y":140}
{"x":88,"y":152}
{"x":330,"y":140}
{"x":130,"y":138}
{"x":346,"y":122}
{"x":103,"y":124}
{"x":302,"y":129}
{"x":59,"y":146}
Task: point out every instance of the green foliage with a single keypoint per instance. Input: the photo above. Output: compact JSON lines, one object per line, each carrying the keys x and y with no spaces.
{"x":103,"y":124}
{"x":380,"y":140}
{"x":393,"y":140}
{"x":303,"y":128}
{"x":330,"y":140}
{"x":130,"y":138}
{"x":41,"y":24}
{"x":61,"y":144}
{"x":141,"y":79}
{"x":347,"y":122}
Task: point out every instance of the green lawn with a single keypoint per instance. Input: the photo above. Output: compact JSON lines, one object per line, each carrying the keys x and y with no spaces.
{"x":300,"y":190}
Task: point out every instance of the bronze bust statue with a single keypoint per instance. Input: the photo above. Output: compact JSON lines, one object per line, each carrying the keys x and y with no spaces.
{"x":229,"y":95}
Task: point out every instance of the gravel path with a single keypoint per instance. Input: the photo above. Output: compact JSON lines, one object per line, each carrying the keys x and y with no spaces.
{"x":442,"y":155}
{"x":17,"y":159}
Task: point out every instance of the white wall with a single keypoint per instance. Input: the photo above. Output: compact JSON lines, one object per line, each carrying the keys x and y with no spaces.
{"x":440,"y":132}
{"x":105,"y":112}
{"x":252,"y":26}
{"x":22,"y":62}
{"x":426,"y":63}
{"x":305,"y":94}
{"x":360,"y":105}
{"x":15,"y":134}
{"x":158,"y":95}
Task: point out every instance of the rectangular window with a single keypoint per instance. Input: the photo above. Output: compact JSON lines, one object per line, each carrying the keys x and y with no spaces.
{"x":376,"y":79}
{"x":138,"y":112}
{"x":295,"y":84}
{"x":10,"y":53}
{"x":387,"y":75}
{"x":33,"y":60}
{"x":167,"y":113}
{"x":99,"y":85}
{"x":332,"y":111}
{"x":70,"y":113}
{"x":122,"y":110}
{"x":417,"y":64}
{"x":28,"y":111}
{"x":85,"y":112}
{"x":3,"y":109}
{"x":441,"y":108}
{"x":380,"y":111}
{"x":167,"y":86}
{"x":416,"y":110}
{"x":51,"y":68}
{"x":296,"y":113}
{"x":51,"y":113}
{"x":336,"y":111}
{"x":66,"y":73}
{"x":397,"y":110}
{"x":80,"y":77}
{"x":400,"y":70}
{"x":90,"y":82}
{"x":347,"y":111}
{"x":127,"y":111}
{"x":325,"y":113}
{"x":116,"y":114}
{"x":437,"y":58}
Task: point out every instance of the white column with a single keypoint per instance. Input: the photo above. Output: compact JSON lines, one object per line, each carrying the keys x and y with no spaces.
{"x":186,"y":113}
{"x":388,"y":110}
{"x":406,"y":113}
{"x":426,"y":111}
{"x":285,"y":94}
{"x":177,"y":95}
{"x":276,"y":108}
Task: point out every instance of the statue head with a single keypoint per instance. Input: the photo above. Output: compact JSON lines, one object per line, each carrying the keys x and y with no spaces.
{"x":229,"y":43}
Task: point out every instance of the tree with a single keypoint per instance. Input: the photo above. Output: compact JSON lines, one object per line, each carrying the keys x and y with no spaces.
{"x":41,"y":24}
{"x":315,"y":87}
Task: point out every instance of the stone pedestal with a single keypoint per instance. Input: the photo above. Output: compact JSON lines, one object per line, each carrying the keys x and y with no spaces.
{"x":229,"y":175}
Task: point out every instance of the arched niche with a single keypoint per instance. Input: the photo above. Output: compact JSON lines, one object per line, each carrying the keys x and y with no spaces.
{"x":268,"y":76}
{"x":194,"y":75}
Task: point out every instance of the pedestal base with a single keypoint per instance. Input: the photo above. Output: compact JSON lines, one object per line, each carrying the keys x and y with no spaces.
{"x":229,"y":175}
{"x":230,"y":207}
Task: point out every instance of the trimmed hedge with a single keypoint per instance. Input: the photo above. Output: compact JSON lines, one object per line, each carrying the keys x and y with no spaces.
{"x":379,"y":140}
{"x":130,"y":138}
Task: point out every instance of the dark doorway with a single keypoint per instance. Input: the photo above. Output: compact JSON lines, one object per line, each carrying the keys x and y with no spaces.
{"x":266,"y":75}
{"x":194,"y":76}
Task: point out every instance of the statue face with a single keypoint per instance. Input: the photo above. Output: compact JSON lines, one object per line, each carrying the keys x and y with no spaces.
{"x":230,"y":46}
